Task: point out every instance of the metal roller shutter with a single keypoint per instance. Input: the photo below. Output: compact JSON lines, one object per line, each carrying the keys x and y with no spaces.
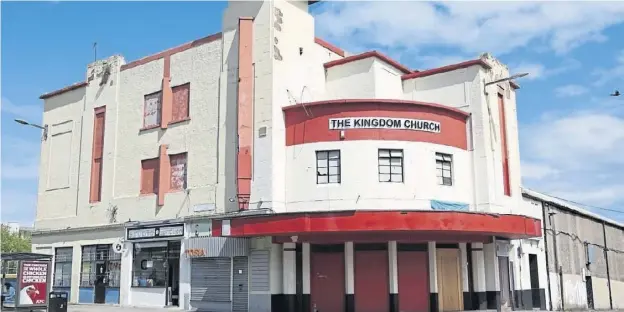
{"x":210,"y":284}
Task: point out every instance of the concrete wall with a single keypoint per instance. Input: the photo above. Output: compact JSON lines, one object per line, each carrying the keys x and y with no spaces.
{"x":360,"y":187}
{"x":575,"y":231}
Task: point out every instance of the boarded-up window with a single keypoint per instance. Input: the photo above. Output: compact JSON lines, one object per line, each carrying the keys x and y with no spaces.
{"x":181,"y":97}
{"x":151,"y":112}
{"x":98,"y":152}
{"x":149,"y":176}
{"x":178,"y":171}
{"x":60,"y":155}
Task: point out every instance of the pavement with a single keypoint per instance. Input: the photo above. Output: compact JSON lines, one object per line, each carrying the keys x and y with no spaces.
{"x":116,"y":308}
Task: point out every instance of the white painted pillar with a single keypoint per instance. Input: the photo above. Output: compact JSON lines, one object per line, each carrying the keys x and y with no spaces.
{"x":305,"y":270}
{"x":125,"y":278}
{"x":76,"y":270}
{"x":433,"y":268}
{"x":393,"y":267}
{"x":275,"y":269}
{"x":184,"y":295}
{"x":463,"y":258}
{"x":289,"y":265}
{"x":478,"y":268}
{"x":349,"y":269}
{"x":492,"y":280}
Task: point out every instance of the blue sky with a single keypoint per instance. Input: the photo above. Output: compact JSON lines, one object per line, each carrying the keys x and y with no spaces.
{"x":572,"y":132}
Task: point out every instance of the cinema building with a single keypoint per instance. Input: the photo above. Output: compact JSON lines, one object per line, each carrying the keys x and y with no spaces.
{"x":264,"y":169}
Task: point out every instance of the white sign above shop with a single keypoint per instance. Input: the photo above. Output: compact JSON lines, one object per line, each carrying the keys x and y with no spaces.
{"x":384,"y":123}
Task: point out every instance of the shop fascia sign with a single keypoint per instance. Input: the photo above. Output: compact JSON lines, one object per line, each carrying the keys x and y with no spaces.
{"x":384,"y":123}
{"x":155,"y":232}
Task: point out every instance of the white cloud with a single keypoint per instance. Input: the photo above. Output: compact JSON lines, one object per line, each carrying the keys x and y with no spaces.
{"x":536,"y":171}
{"x":570,"y":90}
{"x":613,"y":74}
{"x":472,"y":27}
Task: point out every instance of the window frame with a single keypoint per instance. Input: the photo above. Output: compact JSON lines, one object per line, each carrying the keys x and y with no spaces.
{"x":440,"y":159}
{"x":159,"y":111}
{"x":328,"y":166}
{"x":63,"y":261}
{"x":155,"y":182}
{"x":185,"y":185}
{"x":103,"y":253}
{"x":169,"y":252}
{"x":389,"y":165}
{"x":188,"y":102}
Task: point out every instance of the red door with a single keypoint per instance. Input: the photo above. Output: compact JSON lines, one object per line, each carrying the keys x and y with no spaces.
{"x":327,"y":281}
{"x":413,"y":273}
{"x":371,"y":281}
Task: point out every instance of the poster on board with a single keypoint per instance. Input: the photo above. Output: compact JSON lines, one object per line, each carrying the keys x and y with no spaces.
{"x":33,"y":283}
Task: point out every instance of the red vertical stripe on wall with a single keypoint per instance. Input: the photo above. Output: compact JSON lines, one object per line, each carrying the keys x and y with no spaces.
{"x":97,"y":154}
{"x":503,"y":142}
{"x":167,"y":94}
{"x":245,"y":110}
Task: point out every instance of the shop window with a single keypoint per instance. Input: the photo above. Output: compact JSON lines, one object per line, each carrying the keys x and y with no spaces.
{"x":9,"y":267}
{"x":390,"y":165}
{"x":327,"y":167}
{"x":178,"y":171}
{"x":444,"y":169}
{"x":181,"y":99}
{"x":152,"y":262}
{"x":151,"y":110}
{"x":149,"y":176}
{"x":100,"y":266}
{"x":63,"y":266}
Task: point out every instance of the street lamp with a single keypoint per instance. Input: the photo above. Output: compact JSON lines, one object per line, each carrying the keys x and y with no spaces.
{"x":26,"y":123}
{"x":512,"y":77}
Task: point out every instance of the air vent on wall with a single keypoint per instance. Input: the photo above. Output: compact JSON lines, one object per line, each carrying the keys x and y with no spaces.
{"x":262,"y":132}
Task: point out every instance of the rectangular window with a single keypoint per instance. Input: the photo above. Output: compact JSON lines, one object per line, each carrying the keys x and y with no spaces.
{"x":150,"y":263}
{"x":327,"y":167}
{"x":63,"y":266}
{"x":390,"y":165}
{"x":178,"y":171}
{"x":181,"y":100}
{"x":100,"y":265}
{"x":444,"y":169}
{"x":151,"y":110}
{"x":98,"y":152}
{"x":149,"y":176}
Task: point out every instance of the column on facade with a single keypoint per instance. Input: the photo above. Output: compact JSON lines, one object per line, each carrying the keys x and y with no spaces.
{"x":276,"y":282}
{"x":184,"y":294}
{"x":289,"y":277}
{"x":478,"y":277}
{"x":349,"y":277}
{"x":492,"y":279}
{"x":463,"y":257}
{"x":76,"y":273}
{"x":433,"y":277}
{"x":305,"y":268}
{"x":393,"y":275}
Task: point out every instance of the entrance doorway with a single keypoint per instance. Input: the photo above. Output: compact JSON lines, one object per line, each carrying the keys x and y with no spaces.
{"x":327,"y":278}
{"x":173,"y":273}
{"x":503,"y":270}
{"x":534,"y":275}
{"x":449,"y":279}
{"x":100,"y":283}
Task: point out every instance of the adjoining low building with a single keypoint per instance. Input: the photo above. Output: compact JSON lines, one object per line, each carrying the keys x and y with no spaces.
{"x":263,"y":169}
{"x":585,"y":255}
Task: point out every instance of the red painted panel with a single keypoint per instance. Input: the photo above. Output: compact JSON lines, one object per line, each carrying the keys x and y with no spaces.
{"x":180,"y":106}
{"x":245,"y":111}
{"x":327,"y":281}
{"x":503,"y":144}
{"x":99,"y":122}
{"x":434,"y":222}
{"x":164,"y":174}
{"x":178,"y":171}
{"x":313,"y":127}
{"x":371,"y":281}
{"x":413,"y":272}
{"x":149,"y":176}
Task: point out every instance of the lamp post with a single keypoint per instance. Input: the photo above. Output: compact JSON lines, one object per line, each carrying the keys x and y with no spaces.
{"x":512,"y":77}
{"x":26,"y":123}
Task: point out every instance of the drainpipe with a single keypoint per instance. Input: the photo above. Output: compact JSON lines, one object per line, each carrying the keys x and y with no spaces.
{"x":606,"y":255}
{"x":546,"y":255}
{"x":559,"y":271}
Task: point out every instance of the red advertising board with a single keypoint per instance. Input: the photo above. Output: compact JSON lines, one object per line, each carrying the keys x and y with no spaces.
{"x":33,"y":283}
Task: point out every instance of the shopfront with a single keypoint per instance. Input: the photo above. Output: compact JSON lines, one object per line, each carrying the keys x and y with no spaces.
{"x":220,"y":273}
{"x":155,"y":271}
